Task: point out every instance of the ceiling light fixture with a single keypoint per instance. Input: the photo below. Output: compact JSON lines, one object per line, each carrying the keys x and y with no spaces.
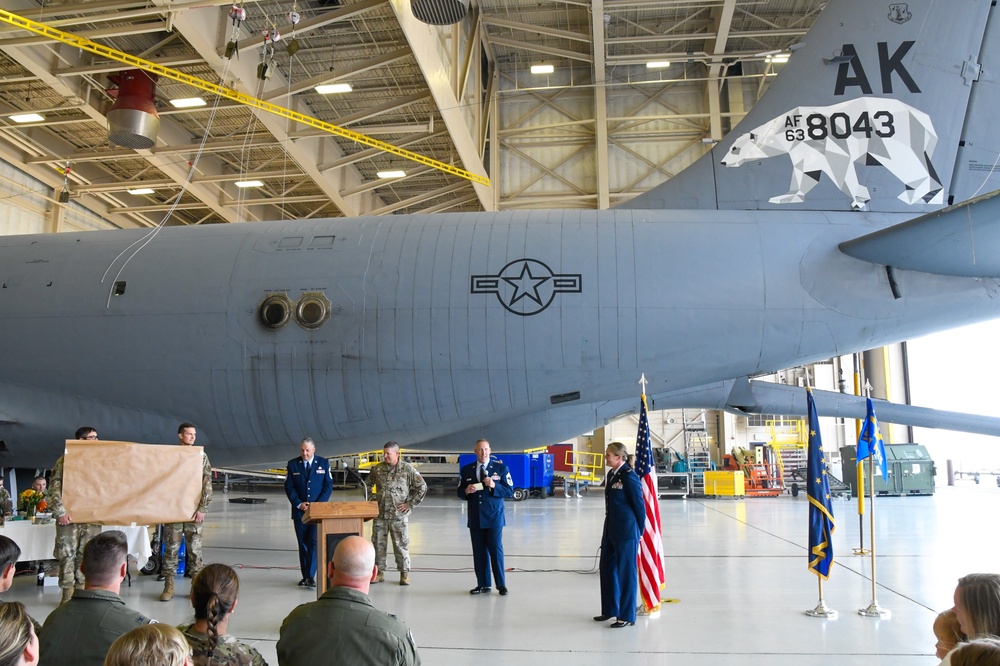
{"x":249,"y":183}
{"x":333,"y":88}
{"x":187,"y":102}
{"x":27,"y":118}
{"x":778,"y":59}
{"x":141,"y":190}
{"x":542,"y":69}
{"x":399,"y":173}
{"x":657,"y":64}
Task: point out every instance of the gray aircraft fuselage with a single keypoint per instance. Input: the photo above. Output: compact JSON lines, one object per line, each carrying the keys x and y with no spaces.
{"x":440,"y":329}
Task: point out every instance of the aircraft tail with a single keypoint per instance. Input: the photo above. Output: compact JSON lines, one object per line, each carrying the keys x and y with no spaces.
{"x":943,"y":242}
{"x":883,"y":107}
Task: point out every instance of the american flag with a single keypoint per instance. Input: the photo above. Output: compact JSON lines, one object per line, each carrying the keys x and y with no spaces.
{"x":651,"y":578}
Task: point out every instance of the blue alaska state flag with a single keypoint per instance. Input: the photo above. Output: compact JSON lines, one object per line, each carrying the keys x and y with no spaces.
{"x":870,"y":442}
{"x":821,"y":523}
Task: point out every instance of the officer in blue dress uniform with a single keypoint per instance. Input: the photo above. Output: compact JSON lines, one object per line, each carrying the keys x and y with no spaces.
{"x":484,"y":484}
{"x":307,"y":480}
{"x":624,"y":523}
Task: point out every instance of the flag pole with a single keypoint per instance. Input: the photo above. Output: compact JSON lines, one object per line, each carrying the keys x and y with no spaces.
{"x":873,"y":609}
{"x":859,"y":470}
{"x":821,"y":609}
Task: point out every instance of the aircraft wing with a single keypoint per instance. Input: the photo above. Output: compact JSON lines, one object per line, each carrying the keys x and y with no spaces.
{"x":744,"y":396}
{"x":960,"y":240}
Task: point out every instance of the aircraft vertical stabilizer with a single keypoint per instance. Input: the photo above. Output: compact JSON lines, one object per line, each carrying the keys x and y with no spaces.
{"x":868,"y":114}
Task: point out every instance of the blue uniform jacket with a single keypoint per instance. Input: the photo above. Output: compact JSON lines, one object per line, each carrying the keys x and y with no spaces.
{"x":486,"y":506}
{"x":314,"y":487}
{"x":626,"y":518}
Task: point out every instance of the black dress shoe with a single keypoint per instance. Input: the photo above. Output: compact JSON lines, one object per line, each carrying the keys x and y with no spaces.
{"x":159,"y":579}
{"x":480,"y":590}
{"x":310,"y":582}
{"x":502,"y":591}
{"x":602,"y":618}
{"x":302,"y":583}
{"x":619,"y":624}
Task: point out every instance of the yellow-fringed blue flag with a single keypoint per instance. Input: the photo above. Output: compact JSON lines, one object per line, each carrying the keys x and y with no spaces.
{"x":821,"y":523}
{"x":870,"y":442}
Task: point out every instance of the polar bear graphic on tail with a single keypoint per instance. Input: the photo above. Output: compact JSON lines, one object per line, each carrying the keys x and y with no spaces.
{"x":831,"y":139}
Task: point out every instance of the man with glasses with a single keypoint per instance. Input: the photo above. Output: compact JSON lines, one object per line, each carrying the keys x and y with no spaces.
{"x":71,"y":538}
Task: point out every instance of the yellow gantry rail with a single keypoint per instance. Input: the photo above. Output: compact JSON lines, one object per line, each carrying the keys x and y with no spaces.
{"x":166,"y":72}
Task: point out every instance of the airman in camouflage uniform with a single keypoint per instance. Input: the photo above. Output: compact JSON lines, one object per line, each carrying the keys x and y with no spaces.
{"x":71,"y":538}
{"x":172,"y":532}
{"x":398,"y":487}
{"x":228,"y":652}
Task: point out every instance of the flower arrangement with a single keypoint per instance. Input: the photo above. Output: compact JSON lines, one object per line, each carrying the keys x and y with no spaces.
{"x":33,"y":501}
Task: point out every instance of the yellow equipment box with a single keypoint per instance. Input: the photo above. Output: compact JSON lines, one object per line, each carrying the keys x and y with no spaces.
{"x":724,"y":484}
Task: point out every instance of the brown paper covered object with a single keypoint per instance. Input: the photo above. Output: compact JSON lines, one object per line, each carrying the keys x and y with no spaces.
{"x":121,"y":483}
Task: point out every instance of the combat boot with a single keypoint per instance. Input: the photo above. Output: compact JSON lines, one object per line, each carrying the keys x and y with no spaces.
{"x":168,"y":589}
{"x":404,"y":577}
{"x":379,"y":578}
{"x":67,"y":594}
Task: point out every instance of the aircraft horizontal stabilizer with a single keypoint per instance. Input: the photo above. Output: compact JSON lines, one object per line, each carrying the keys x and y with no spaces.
{"x":961,"y":240}
{"x":791,"y":400}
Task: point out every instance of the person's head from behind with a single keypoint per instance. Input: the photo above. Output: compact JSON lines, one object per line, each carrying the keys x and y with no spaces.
{"x":213,"y":595}
{"x":85,"y":432}
{"x":353,"y":563}
{"x":9,"y":553}
{"x":947,"y":631}
{"x":105,"y":558}
{"x":18,"y":643}
{"x":977,"y":604}
{"x":983,"y":651}
{"x":150,"y":645}
{"x":39,"y":484}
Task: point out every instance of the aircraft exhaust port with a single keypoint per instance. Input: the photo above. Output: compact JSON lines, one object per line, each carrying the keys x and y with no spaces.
{"x":312,"y":310}
{"x":275,"y":311}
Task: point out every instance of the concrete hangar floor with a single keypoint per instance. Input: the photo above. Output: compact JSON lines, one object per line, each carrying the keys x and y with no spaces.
{"x":736,"y":567}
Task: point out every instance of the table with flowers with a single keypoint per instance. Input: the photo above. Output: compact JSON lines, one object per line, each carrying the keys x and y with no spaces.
{"x":38,"y":541}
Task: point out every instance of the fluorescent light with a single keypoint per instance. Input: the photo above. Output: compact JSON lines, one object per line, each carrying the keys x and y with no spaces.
{"x":187,"y":102}
{"x":249,"y":183}
{"x":542,"y":69}
{"x":331,"y":88}
{"x":657,"y":64}
{"x":141,"y":190}
{"x":392,"y":174}
{"x":779,"y":59}
{"x":27,"y":118}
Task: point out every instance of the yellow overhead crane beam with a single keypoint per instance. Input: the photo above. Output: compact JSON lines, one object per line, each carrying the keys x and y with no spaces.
{"x":168,"y":73}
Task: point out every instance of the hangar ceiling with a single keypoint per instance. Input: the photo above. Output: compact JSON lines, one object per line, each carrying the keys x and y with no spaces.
{"x":601,"y":128}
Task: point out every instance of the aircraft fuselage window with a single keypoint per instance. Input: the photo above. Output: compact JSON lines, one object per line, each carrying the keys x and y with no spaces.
{"x":119,"y":289}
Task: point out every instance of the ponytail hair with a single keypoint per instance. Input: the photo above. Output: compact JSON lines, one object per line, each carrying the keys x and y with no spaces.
{"x":213,"y":595}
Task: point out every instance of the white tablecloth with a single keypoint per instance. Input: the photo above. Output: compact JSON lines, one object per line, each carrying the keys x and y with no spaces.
{"x":38,"y":541}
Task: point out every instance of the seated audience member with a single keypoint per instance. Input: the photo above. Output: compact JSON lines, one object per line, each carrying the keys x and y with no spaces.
{"x":214,"y":594}
{"x":977,"y":604}
{"x":9,"y":554}
{"x":983,"y":651}
{"x":151,"y":645}
{"x":80,"y":631}
{"x":343,"y":626}
{"x":18,"y":642}
{"x":947,"y":631}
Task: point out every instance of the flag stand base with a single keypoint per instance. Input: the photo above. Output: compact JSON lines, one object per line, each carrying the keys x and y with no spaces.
{"x":874,"y":610}
{"x":822,"y":611}
{"x":861,"y":551}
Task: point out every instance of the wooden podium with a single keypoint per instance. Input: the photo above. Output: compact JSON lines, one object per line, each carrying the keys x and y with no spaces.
{"x":335,"y":520}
